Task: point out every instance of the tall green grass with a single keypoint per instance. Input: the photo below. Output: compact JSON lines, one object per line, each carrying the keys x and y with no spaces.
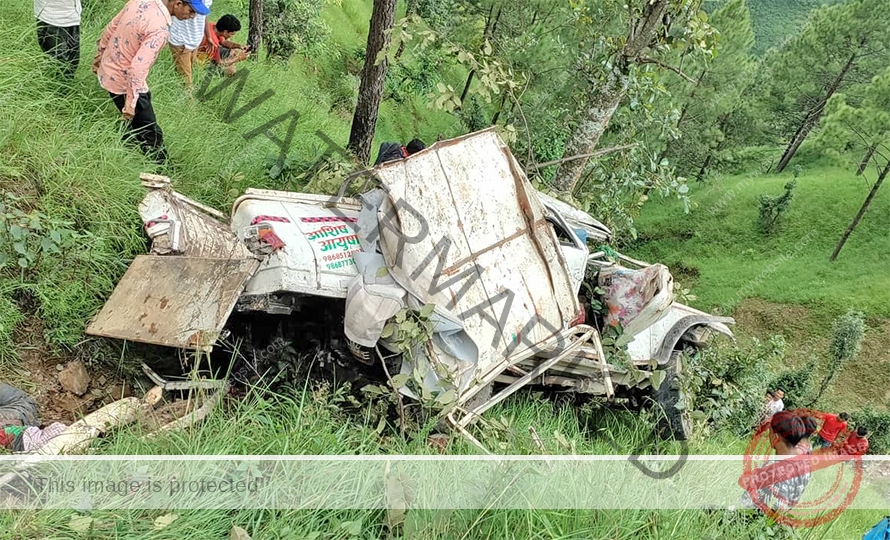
{"x":311,"y":419}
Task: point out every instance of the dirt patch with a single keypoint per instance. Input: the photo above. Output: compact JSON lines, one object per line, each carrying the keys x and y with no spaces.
{"x":37,"y":374}
{"x":865,"y":381}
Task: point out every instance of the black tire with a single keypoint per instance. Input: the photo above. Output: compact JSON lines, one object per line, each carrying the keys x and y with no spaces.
{"x":672,"y":422}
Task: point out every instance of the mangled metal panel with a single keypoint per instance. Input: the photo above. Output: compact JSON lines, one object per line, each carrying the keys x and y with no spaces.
{"x":503,"y":274}
{"x":179,"y":228}
{"x":173,"y":301}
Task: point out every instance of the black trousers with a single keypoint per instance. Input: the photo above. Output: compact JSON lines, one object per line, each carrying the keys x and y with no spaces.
{"x":144,"y":129}
{"x":63,"y":44}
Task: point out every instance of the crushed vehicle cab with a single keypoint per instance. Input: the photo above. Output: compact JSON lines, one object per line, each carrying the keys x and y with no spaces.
{"x":455,"y":232}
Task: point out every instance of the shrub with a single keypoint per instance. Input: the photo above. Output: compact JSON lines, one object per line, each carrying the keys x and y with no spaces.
{"x":878,"y":424}
{"x":729,"y":383}
{"x":846,"y":341}
{"x":772,"y":209}
{"x":797,"y":385}
{"x":289,"y":24}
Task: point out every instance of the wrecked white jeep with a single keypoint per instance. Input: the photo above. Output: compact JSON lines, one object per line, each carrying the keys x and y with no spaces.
{"x":502,"y":274}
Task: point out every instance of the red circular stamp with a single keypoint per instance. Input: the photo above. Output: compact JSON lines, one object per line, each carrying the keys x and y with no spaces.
{"x":804,"y":490}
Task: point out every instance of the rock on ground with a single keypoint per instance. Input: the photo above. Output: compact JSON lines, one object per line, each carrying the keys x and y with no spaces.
{"x":74,"y":378}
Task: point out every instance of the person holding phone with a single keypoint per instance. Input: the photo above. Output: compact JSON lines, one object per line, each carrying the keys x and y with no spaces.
{"x":218,"y":46}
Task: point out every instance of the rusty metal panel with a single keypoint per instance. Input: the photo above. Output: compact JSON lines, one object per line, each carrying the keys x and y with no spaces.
{"x":173,"y":301}
{"x":470,"y":191}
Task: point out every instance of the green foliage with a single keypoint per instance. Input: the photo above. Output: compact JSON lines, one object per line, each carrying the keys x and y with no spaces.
{"x":797,"y":384}
{"x":28,"y":237}
{"x":846,"y":341}
{"x":415,"y":77}
{"x":728,"y":383}
{"x":771,"y":210}
{"x":846,"y":337}
{"x":717,"y":90}
{"x":292,"y":25}
{"x":878,"y":424}
{"x":840,"y":45}
{"x":775,"y":20}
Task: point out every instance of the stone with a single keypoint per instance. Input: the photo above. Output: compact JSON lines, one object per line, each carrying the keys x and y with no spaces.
{"x":101,"y":380}
{"x":238,"y":534}
{"x":74,"y":378}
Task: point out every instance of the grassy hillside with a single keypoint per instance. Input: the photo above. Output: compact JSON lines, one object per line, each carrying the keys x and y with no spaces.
{"x":784,"y":283}
{"x":717,"y":248}
{"x":60,"y":153}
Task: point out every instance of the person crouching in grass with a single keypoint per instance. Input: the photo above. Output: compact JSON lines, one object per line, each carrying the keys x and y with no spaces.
{"x":218,"y":46}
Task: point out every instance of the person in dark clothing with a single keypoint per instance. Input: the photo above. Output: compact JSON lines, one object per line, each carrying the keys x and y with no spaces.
{"x":17,"y":410}
{"x":58,"y":32}
{"x":391,"y":151}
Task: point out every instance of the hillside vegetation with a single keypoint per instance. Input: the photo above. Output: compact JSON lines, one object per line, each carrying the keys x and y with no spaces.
{"x":66,"y":176}
{"x":775,"y":20}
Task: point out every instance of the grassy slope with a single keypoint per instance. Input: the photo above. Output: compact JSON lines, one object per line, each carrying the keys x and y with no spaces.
{"x":311,"y":423}
{"x":62,"y":147}
{"x":717,"y":251}
{"x":723,"y":246}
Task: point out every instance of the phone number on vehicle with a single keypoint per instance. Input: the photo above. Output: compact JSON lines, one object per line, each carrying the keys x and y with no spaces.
{"x":338,"y":256}
{"x":341,"y":264}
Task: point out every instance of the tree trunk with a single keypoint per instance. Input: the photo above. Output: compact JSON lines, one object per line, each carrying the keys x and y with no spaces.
{"x":607,"y":95}
{"x":364,"y":121}
{"x":411,"y":9}
{"x":704,"y":167}
{"x":497,"y":115}
{"x":865,"y":159}
{"x":606,"y":98}
{"x":871,"y":195}
{"x":813,"y":116}
{"x":255,"y":26}
{"x":463,"y":95}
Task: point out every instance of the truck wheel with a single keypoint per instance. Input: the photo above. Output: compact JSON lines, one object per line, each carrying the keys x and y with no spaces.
{"x":673,"y":422}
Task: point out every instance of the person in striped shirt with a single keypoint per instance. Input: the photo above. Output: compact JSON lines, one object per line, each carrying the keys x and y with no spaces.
{"x":58,"y":32}
{"x":185,"y":38}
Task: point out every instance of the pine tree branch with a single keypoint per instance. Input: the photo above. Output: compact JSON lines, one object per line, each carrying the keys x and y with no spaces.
{"x":602,"y":152}
{"x":659,"y":63}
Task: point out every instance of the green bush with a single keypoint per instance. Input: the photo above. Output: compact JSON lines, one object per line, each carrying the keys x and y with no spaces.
{"x":289,"y":25}
{"x":797,"y":385}
{"x":878,"y":424}
{"x":846,"y":341}
{"x":773,"y":209}
{"x":728,"y":383}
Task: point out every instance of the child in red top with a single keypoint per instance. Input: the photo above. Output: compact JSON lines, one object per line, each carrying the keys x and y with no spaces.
{"x":218,"y":46}
{"x":832,"y":426}
{"x":857,"y":443}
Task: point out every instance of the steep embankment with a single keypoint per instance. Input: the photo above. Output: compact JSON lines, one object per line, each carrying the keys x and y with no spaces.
{"x":784,"y":283}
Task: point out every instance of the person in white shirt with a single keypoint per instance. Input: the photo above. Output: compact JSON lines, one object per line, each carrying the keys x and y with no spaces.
{"x":185,"y":37}
{"x":776,"y":405}
{"x":58,"y":31}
